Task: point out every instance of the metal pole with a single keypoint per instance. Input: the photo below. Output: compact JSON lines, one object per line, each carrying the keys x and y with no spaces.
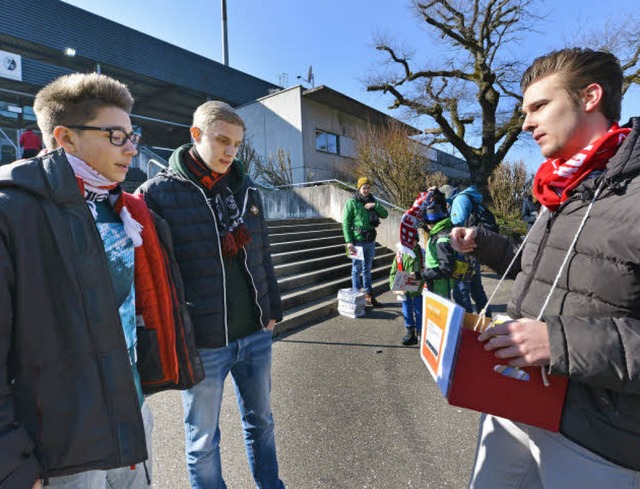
{"x":225,"y":48}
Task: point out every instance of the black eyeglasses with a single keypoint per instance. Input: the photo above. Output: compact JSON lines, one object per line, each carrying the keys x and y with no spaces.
{"x":117,"y":136}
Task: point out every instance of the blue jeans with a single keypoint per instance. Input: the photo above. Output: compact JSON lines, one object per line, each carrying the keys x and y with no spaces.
{"x":412,"y":312}
{"x":361,"y":269}
{"x":464,"y":291}
{"x":249,"y":362}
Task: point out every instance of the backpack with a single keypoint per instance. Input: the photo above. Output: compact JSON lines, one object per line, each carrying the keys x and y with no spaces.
{"x":481,"y":217}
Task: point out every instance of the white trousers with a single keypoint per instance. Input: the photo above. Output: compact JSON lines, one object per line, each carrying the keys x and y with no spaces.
{"x":518,"y":456}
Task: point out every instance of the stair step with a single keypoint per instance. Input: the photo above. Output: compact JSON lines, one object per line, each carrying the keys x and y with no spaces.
{"x":310,"y":220}
{"x":288,"y":228}
{"x":342,"y":270}
{"x":317,"y":309}
{"x":305,"y":235}
{"x":300,"y":245}
{"x":296,"y":255}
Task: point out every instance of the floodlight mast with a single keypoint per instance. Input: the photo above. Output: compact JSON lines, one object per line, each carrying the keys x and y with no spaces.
{"x":225,"y":47}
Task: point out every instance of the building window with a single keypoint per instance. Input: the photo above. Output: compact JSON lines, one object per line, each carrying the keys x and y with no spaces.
{"x":327,"y":142}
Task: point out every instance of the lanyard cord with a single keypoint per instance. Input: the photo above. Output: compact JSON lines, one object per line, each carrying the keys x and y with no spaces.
{"x":557,"y":279}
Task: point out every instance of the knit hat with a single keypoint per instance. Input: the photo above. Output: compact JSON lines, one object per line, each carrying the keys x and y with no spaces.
{"x":435,"y":212}
{"x":363,"y":181}
{"x":436,"y":208}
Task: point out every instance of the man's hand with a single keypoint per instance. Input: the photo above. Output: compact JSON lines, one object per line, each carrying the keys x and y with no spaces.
{"x":351,"y":248}
{"x":464,"y":239}
{"x":37,"y":485}
{"x":524,"y":341}
{"x":370,"y":205}
{"x":271,"y":325}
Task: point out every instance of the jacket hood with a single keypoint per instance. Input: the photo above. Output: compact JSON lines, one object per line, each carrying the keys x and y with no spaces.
{"x":49,"y":177}
{"x":627,"y":160}
{"x":440,"y":225}
{"x":176,"y":165}
{"x":473,"y":193}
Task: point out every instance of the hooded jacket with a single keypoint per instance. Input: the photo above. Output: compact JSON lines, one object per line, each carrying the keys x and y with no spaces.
{"x":62,"y":347}
{"x":67,"y":397}
{"x":462,"y":205}
{"x":355,"y":219}
{"x":593,"y":317}
{"x":185,"y":206}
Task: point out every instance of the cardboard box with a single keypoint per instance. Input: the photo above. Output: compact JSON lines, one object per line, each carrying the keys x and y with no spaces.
{"x":464,"y":370}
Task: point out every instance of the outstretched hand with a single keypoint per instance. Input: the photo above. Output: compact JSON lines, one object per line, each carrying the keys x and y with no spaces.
{"x":464,"y":239}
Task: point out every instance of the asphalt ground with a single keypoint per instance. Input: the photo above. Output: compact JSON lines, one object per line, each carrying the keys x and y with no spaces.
{"x":353,"y":409}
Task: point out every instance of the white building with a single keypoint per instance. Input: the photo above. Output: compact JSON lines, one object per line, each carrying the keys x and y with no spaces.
{"x":316,"y":127}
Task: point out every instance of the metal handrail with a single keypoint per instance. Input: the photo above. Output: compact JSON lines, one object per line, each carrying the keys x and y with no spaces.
{"x":333,"y":180}
{"x":155,"y":162}
{"x":10,"y":141}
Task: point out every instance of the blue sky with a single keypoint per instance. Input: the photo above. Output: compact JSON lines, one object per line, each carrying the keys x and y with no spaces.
{"x":279,"y":39}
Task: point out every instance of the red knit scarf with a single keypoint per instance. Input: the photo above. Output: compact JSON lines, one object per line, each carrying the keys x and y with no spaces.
{"x":233,"y":233}
{"x":556,"y":178}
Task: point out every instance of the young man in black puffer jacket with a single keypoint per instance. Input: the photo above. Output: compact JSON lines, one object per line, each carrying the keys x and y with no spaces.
{"x":590,"y":330}
{"x":221,"y":242}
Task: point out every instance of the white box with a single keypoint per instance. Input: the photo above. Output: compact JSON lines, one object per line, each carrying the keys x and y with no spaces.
{"x":357,"y":310}
{"x":352,"y":296}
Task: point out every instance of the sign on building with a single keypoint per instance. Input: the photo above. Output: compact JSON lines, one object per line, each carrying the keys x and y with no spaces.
{"x":10,"y":66}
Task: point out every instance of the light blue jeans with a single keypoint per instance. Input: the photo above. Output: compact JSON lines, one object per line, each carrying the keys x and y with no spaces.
{"x":361,"y":269}
{"x":249,"y":362}
{"x":121,"y":478}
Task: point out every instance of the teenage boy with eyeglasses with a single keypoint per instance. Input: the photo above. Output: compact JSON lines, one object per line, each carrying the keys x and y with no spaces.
{"x":73,"y":328}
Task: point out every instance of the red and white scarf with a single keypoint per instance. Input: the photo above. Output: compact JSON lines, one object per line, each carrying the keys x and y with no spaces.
{"x":97,"y":188}
{"x":556,"y":178}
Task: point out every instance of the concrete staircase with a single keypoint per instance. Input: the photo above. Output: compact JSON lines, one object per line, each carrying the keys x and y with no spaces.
{"x":311,"y":265}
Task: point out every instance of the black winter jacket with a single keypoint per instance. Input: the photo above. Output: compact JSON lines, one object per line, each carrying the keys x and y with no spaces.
{"x":67,"y":397}
{"x":593,"y":318}
{"x":185,"y":207}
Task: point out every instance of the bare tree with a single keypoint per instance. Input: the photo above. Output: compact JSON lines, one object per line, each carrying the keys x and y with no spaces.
{"x":398,"y":165}
{"x":475,"y":89}
{"x":508,"y":185}
{"x":248,"y":155}
{"x":619,"y":36}
{"x":276,"y":170}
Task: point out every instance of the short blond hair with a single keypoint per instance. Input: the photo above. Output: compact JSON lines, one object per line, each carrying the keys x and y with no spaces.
{"x":215,"y":110}
{"x":75,"y":99}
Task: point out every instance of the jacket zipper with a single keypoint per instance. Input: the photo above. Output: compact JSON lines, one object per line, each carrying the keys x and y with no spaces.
{"x":224,"y":275}
{"x":253,"y":284}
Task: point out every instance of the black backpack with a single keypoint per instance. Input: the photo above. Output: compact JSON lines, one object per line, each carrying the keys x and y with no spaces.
{"x":481,"y":217}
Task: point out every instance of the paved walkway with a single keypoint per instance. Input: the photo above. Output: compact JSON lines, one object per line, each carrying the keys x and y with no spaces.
{"x":353,"y":409}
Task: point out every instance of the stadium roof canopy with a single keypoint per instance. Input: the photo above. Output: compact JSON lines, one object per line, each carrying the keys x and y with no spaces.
{"x":167,"y":82}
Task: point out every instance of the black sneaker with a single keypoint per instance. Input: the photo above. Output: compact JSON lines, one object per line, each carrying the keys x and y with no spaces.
{"x":410,"y":338}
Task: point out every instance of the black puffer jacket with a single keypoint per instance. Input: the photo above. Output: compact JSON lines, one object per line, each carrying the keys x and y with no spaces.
{"x":184,"y":205}
{"x":593,"y":317}
{"x":67,"y":398}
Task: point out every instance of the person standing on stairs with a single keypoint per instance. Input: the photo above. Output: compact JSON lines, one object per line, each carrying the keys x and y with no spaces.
{"x":217,"y":222}
{"x":361,"y":216}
